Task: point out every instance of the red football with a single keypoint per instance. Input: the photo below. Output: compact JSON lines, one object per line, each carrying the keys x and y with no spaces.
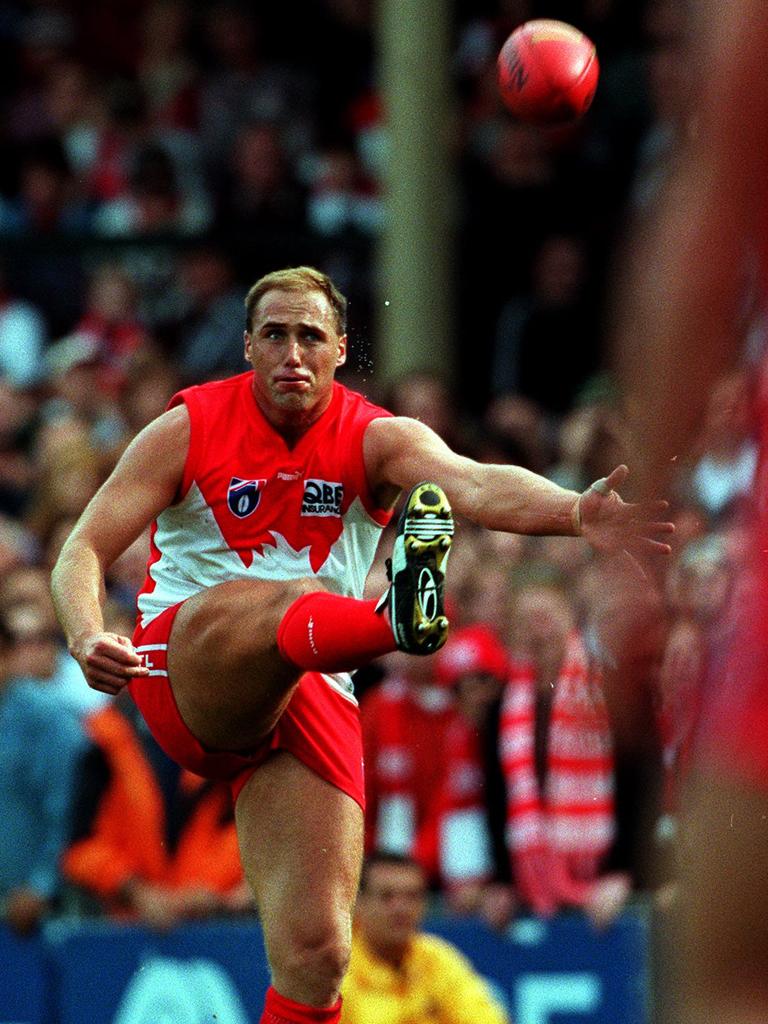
{"x":548,"y":72}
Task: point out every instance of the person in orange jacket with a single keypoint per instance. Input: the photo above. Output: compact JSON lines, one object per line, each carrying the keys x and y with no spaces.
{"x":150,"y":840}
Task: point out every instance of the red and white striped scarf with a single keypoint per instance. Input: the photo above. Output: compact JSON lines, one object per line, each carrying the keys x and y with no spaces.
{"x":575,"y":813}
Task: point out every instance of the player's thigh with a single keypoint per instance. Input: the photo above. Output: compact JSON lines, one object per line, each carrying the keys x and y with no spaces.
{"x":301,"y":842}
{"x":228,"y":677}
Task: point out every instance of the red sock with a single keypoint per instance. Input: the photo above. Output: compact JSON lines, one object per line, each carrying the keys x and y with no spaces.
{"x":280,"y":1010}
{"x":323,"y":632}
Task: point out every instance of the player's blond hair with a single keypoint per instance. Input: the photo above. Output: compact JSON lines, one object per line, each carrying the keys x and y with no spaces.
{"x":298,"y":279}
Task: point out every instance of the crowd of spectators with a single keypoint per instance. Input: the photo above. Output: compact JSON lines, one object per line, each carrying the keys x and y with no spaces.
{"x":159,"y":156}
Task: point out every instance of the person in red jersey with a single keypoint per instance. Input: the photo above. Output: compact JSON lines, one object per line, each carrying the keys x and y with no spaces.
{"x":267,"y":492}
{"x":405,"y":722}
{"x":681,"y":327}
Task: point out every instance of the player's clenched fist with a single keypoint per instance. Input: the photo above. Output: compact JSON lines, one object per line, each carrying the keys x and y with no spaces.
{"x":108,"y":661}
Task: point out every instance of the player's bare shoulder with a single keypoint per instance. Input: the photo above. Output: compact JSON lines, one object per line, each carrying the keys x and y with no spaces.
{"x":146,"y":479}
{"x":388,"y":433}
{"x":384,"y":437}
{"x":399,"y":452}
{"x":172,"y":425}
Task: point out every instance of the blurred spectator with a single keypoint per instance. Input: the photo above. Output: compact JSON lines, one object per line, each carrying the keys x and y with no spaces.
{"x":18,"y":412}
{"x":700,"y":588}
{"x":517,"y":429}
{"x":38,"y":650}
{"x":38,"y":759}
{"x":111,"y":323}
{"x":547,"y":342}
{"x":727,"y":461}
{"x":399,"y":974}
{"x":74,"y":111}
{"x":17,"y":545}
{"x":261,"y":191}
{"x":591,"y":441}
{"x":508,"y":182}
{"x":80,"y":408}
{"x":144,"y":177}
{"x":668,"y":84}
{"x":154,"y":201}
{"x":27,"y":584}
{"x":471,"y":806}
{"x":23,"y":336}
{"x":556,"y":754}
{"x":69,"y":474}
{"x":483,"y":595}
{"x":47,"y":200}
{"x":404,"y":720}
{"x":343,"y":200}
{"x":211,"y":329}
{"x":166,"y":70}
{"x":44,"y":34}
{"x":427,"y":396}
{"x":150,"y":841}
{"x":151,"y":381}
{"x":241,"y":85}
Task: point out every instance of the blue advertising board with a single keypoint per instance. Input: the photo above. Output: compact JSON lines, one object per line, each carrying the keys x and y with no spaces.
{"x":24,"y":980}
{"x":562,"y":971}
{"x":558,"y":972}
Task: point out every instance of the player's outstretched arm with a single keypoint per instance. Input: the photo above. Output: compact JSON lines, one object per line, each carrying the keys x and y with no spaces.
{"x":399,"y":452}
{"x":144,"y":482}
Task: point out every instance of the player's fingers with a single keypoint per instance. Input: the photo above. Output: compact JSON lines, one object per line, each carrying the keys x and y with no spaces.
{"x":121,"y":670}
{"x":105,"y":682}
{"x":116,"y":652}
{"x":651,"y":527}
{"x":644,"y":547}
{"x":115,"y":646}
{"x":648,"y":509}
{"x":647,"y":545}
{"x":613,"y":480}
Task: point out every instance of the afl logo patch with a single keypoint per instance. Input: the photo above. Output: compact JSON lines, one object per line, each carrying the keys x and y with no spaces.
{"x":243,"y":496}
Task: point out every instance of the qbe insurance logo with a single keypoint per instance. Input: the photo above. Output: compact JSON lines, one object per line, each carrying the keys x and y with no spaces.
{"x":322,"y":498}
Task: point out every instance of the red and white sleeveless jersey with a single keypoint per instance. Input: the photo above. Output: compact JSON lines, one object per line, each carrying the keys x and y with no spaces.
{"x":251,"y":507}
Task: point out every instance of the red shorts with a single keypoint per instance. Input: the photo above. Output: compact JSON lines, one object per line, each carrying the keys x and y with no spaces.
{"x":320,"y":726}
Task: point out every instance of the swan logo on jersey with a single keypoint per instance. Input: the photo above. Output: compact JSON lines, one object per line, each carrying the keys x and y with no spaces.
{"x":243,"y":496}
{"x":322,"y":498}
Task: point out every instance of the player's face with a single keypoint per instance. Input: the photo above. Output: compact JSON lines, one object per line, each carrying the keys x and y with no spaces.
{"x":294,"y":348}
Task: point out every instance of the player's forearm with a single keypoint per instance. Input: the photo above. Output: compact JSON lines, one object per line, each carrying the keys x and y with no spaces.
{"x":77,"y":585}
{"x":515,"y":500}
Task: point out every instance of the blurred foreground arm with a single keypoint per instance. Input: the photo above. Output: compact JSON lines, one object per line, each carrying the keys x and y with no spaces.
{"x":680,"y":320}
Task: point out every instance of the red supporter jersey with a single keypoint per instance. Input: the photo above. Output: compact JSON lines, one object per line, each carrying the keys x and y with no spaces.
{"x":251,"y":507}
{"x":404,"y":738}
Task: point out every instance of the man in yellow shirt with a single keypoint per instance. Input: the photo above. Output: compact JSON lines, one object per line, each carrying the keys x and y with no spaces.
{"x":398,"y":974}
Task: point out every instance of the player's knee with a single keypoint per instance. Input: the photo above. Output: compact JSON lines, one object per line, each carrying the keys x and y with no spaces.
{"x":294,"y":589}
{"x":319,"y":954}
